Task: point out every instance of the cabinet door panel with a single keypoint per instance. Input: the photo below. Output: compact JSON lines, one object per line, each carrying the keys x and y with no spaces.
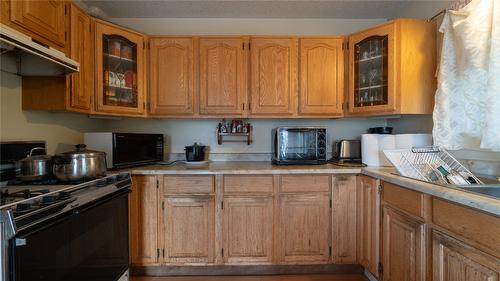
{"x":143,"y":210}
{"x":82,"y":86}
{"x":222,"y":76}
{"x":344,"y":210}
{"x":403,"y":252}
{"x":305,"y":228}
{"x":188,"y":226}
{"x":321,"y":76}
{"x":248,"y":228}
{"x":454,"y":260}
{"x":172,"y":76}
{"x":119,"y":60}
{"x":368,"y":224}
{"x":44,"y":18}
{"x":274,"y":76}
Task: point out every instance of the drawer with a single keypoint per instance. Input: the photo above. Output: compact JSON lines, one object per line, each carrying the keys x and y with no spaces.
{"x":305,"y":183}
{"x":472,"y":224}
{"x":248,"y":184}
{"x":188,"y":184}
{"x":404,"y":199}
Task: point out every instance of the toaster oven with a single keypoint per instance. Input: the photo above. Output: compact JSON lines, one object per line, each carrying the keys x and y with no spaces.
{"x":299,"y":145}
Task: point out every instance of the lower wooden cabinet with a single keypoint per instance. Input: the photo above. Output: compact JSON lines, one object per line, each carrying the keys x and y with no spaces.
{"x":368,"y":224}
{"x":344,"y":208}
{"x":403,"y":247}
{"x":187,"y":228}
{"x":248,"y":230}
{"x":143,"y":221}
{"x":304,"y":228}
{"x":454,"y":260}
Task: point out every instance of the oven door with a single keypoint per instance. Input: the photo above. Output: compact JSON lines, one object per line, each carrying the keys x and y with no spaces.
{"x":91,"y":243}
{"x":298,"y":145}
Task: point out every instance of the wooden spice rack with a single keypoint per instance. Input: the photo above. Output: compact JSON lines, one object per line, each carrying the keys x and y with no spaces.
{"x":246,"y":137}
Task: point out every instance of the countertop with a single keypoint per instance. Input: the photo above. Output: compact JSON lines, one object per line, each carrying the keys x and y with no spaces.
{"x":477,"y":201}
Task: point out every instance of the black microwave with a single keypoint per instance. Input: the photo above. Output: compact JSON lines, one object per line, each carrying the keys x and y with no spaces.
{"x":127,"y":149}
{"x":299,"y":145}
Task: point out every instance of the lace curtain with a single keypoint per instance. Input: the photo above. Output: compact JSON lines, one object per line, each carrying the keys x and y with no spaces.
{"x":467,"y":109}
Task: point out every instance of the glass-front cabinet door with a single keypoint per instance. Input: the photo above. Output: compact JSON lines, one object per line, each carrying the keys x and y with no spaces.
{"x":371,"y":79}
{"x":120,"y":70}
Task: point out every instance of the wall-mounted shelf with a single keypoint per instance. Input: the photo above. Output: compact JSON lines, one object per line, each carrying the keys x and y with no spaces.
{"x":244,"y":137}
{"x":236,"y":131}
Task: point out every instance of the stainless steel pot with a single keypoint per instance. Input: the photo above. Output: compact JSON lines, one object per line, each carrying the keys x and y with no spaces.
{"x":80,"y":164}
{"x":35,"y":167}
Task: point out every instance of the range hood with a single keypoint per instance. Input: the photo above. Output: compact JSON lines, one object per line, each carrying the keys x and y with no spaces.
{"x":23,"y":56}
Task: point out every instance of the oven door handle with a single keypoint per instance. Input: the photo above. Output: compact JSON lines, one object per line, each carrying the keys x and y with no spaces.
{"x":7,"y":231}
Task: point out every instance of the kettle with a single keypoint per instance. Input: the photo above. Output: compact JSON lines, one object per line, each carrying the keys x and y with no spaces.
{"x":195,"y":152}
{"x":347,"y":149}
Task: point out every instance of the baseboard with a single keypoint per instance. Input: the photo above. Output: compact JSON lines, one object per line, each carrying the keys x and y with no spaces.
{"x":246,"y":270}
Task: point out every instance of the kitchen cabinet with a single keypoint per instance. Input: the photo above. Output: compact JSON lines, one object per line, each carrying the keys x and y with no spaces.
{"x":273,"y":76}
{"x":120,"y":73}
{"x":46,"y":21}
{"x":368,"y":222}
{"x":344,"y":219}
{"x":454,"y":260}
{"x":248,"y":199}
{"x":403,"y":247}
{"x":143,"y":221}
{"x":172,"y":76}
{"x":187,"y":220}
{"x":391,"y":68}
{"x":222,"y":71}
{"x":321,"y":76}
{"x":248,"y":230}
{"x":75,"y":91}
{"x":304,"y":225}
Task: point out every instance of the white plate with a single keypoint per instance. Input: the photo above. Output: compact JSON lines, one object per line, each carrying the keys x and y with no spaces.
{"x":196,"y":163}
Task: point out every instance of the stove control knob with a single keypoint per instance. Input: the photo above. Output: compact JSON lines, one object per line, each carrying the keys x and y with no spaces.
{"x":63,"y":195}
{"x":101,"y":183}
{"x":111,"y":179}
{"x":122,"y":176}
{"x":21,"y":207}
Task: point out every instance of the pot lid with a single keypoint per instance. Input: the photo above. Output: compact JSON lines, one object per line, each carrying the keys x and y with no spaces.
{"x":31,"y":157}
{"x":81,"y":151}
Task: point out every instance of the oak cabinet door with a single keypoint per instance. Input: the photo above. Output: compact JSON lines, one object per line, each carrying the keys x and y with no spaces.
{"x":368,"y":224}
{"x":404,"y":249}
{"x":82,"y":84}
{"x":222,"y":76}
{"x":119,"y":61}
{"x":46,"y":18}
{"x":344,"y":227}
{"x":305,"y":228}
{"x":248,"y":230}
{"x":454,"y":260}
{"x":172,"y":75}
{"x":321,"y":76}
{"x":143,"y":210}
{"x":274,"y":76}
{"x":188,"y":229}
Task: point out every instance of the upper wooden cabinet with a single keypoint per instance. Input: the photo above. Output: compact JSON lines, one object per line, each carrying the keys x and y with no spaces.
{"x":273,"y":76}
{"x":222,"y":68}
{"x":44,"y":20}
{"x":172,"y":76}
{"x":82,"y":83}
{"x":391,"y":68}
{"x":120,"y":73}
{"x":73,"y":92}
{"x":321,"y":76}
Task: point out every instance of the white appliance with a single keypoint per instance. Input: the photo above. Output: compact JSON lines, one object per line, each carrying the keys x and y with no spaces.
{"x":34,"y":59}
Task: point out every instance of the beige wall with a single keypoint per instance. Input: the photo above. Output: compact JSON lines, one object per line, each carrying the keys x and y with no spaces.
{"x":186,"y":26}
{"x":60,"y":130}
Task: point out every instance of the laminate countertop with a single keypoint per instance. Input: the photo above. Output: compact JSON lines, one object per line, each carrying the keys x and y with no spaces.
{"x":477,"y":201}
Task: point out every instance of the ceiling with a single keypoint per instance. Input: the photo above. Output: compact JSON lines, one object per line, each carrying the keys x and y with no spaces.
{"x":328,"y":9}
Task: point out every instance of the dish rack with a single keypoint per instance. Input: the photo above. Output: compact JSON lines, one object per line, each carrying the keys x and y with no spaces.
{"x":424,"y":163}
